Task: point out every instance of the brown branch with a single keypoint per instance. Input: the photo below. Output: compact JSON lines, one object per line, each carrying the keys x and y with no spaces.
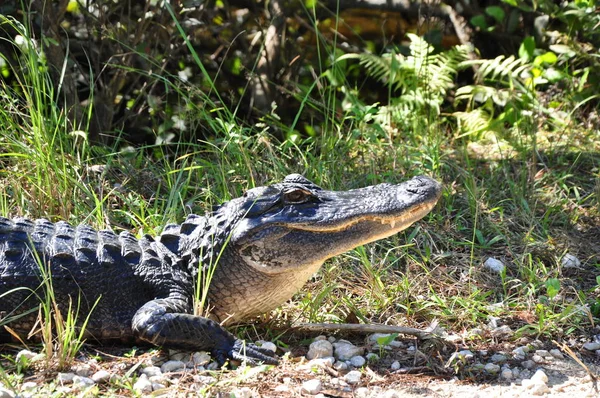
{"x":261,"y":84}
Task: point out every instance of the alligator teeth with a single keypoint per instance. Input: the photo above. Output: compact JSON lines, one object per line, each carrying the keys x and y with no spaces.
{"x":393,"y":223}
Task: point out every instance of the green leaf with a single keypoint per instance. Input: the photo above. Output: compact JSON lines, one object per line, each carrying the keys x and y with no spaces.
{"x":552,"y":287}
{"x":527,"y":48}
{"x":310,"y":4}
{"x":548,"y":58}
{"x":553,"y":75}
{"x":479,"y":22}
{"x":496,"y":12}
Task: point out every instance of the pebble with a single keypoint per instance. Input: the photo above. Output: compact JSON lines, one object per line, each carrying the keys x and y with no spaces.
{"x":507,"y":374}
{"x":529,"y":364}
{"x":555,"y":352}
{"x":353,"y":377}
{"x":159,"y":386}
{"x":83,"y":370}
{"x":65,"y":378}
{"x":570,"y":261}
{"x":28,"y":386}
{"x":592,"y":346}
{"x":6,"y":393}
{"x":25,"y":355}
{"x":101,"y":376}
{"x":320,"y":349}
{"x":520,"y":352}
{"x":358,"y":361}
{"x":142,"y":385}
{"x":172,"y":366}
{"x":201,"y":358}
{"x":340,"y":365}
{"x":537,"y":358}
{"x":491,"y":368}
{"x":494,"y":265}
{"x":269,"y":346}
{"x":361,"y":392}
{"x":498,"y":358}
{"x":395,"y":365}
{"x":539,"y":377}
{"x":152,"y":371}
{"x":243,"y":392}
{"x":502,"y":331}
{"x":312,"y":387}
{"x":466,"y":354}
{"x":82,"y":381}
{"x":344,"y":350}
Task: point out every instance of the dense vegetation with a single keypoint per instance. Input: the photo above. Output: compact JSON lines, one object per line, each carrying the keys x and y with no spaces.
{"x":132,"y":114}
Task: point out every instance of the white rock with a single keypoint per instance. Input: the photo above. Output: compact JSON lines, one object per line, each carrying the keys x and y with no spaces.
{"x":395,"y":365}
{"x":535,"y":387}
{"x":65,"y":378}
{"x":25,"y":355}
{"x":520,"y":352}
{"x":83,"y":381}
{"x":143,"y":385}
{"x":391,"y":394}
{"x":570,"y":261}
{"x":29,"y":386}
{"x":494,"y":265}
{"x":537,"y":359}
{"x":353,"y":377}
{"x":6,"y":393}
{"x":152,"y":371}
{"x":491,"y":368}
{"x":397,"y":344}
{"x":321,"y":337}
{"x":358,"y":361}
{"x":344,"y":350}
{"x":101,"y":376}
{"x":361,"y":392}
{"x":555,"y":352}
{"x":243,"y":392}
{"x":83,"y":370}
{"x":159,"y":386}
{"x":529,"y":364}
{"x":507,"y":374}
{"x":592,"y":346}
{"x":319,"y":362}
{"x":172,"y":366}
{"x":320,"y":349}
{"x":267,"y":345}
{"x":502,"y":331}
{"x":177,"y":355}
{"x":339,"y":365}
{"x":498,"y":358}
{"x":539,"y":377}
{"x":543,"y":353}
{"x":201,"y":358}
{"x":313,"y":386}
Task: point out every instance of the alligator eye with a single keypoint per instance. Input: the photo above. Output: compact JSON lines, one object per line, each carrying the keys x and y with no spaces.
{"x":296,"y":196}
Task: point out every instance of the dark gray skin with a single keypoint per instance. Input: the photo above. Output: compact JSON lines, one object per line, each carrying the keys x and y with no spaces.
{"x":268,"y":243}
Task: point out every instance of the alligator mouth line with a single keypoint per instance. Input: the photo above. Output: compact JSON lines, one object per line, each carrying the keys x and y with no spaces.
{"x":401,"y":221}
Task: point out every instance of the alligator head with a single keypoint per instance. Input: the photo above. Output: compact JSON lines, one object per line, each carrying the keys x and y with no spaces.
{"x":284,"y":232}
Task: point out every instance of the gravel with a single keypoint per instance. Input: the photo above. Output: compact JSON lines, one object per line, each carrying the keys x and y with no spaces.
{"x":530,"y":369}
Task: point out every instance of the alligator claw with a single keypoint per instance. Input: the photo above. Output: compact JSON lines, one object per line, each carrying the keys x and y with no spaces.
{"x":251,"y":354}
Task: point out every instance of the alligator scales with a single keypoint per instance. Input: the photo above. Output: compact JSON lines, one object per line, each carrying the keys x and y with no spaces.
{"x":268,"y":243}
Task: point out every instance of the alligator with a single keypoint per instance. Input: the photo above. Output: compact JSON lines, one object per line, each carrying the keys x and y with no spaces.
{"x":257,"y":250}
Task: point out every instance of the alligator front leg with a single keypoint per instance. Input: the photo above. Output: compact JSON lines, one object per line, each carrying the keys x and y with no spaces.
{"x":161,"y":322}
